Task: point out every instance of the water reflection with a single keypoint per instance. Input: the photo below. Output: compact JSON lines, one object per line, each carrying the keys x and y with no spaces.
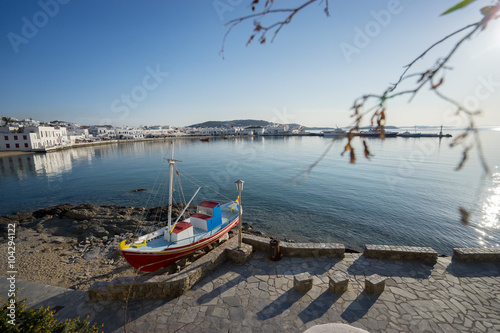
{"x":491,"y":206}
{"x":17,"y":166}
{"x":488,"y":213}
{"x":52,"y":164}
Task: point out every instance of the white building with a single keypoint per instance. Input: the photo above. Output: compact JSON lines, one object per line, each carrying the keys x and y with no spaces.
{"x":256,"y":130}
{"x":231,"y":131}
{"x":19,"y":141}
{"x":276,"y":130}
{"x":129,"y":133}
{"x":32,"y":138}
{"x":103,"y":132}
{"x":157,"y":131}
{"x":211,"y":131}
{"x":191,"y":131}
{"x":77,"y":134}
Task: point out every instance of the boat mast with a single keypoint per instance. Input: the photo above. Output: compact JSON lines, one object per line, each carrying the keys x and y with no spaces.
{"x":171,"y":163}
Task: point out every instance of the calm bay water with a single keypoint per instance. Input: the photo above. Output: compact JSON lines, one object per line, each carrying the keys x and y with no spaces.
{"x":407,"y":194}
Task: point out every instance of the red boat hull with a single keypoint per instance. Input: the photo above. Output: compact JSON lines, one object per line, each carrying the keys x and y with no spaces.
{"x":152,"y":261}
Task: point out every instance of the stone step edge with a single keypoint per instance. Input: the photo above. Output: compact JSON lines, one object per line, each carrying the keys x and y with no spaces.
{"x":393,"y":252}
{"x":288,"y":249}
{"x":476,"y":254}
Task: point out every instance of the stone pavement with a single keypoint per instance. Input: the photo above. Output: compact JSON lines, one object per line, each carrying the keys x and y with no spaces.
{"x":258,"y":296}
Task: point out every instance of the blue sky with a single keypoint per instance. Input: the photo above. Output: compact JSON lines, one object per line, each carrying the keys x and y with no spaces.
{"x":86,"y":57}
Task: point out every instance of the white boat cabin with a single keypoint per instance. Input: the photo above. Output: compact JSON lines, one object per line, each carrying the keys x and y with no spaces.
{"x":182,"y":230}
{"x":208,"y":216}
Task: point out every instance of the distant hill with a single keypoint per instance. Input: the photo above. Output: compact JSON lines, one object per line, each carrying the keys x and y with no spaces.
{"x":237,"y":123}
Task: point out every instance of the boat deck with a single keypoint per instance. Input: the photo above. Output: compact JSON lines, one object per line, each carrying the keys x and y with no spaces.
{"x":160,"y":243}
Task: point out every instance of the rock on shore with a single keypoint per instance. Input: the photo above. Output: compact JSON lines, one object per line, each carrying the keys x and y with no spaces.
{"x":75,"y":246}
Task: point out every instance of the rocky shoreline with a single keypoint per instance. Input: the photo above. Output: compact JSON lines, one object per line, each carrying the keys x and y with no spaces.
{"x":74,"y":246}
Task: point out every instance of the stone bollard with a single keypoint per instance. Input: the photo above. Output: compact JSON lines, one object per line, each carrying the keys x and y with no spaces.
{"x":240,"y":255}
{"x":302,"y":282}
{"x":275,"y":249}
{"x":374,"y":284}
{"x":338,"y":283}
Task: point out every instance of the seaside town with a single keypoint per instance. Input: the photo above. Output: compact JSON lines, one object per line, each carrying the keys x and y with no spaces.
{"x":33,"y":135}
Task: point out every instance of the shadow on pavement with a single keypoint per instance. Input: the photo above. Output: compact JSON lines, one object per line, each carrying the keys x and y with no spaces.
{"x":243,"y":274}
{"x":319,"y":306}
{"x":72,"y":304}
{"x":412,"y":269}
{"x":470,"y":269}
{"x":280,"y":305}
{"x":359,"y":307}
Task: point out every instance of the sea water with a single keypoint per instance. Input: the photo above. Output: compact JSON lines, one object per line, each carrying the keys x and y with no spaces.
{"x":407,"y":193}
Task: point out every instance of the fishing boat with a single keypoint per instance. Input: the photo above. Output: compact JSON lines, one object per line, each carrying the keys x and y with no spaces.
{"x":177,"y":239}
{"x":373,"y":133}
{"x":205,"y":139}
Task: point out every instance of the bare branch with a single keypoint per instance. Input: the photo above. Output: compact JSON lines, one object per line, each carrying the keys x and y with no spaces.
{"x":407,"y":67}
{"x":260,"y":29}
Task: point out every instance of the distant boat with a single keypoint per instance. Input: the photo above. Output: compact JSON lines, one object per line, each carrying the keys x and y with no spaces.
{"x":336,"y":133}
{"x":407,"y":134}
{"x":205,"y":139}
{"x":372,"y":133}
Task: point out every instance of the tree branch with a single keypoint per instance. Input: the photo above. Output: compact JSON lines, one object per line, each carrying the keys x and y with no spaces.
{"x":268,"y":11}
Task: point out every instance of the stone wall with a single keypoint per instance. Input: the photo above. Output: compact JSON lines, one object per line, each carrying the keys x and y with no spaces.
{"x":425,"y":254}
{"x":161,"y":286}
{"x":170,"y":286}
{"x":331,"y":250}
{"x":476,"y":254}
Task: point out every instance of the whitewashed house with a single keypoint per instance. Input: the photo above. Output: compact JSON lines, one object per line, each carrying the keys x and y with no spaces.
{"x":211,"y":131}
{"x":157,"y":131}
{"x":19,"y":141}
{"x":103,"y":132}
{"x":30,"y":138}
{"x":129,"y":133}
{"x":231,"y":131}
{"x":77,"y":134}
{"x":276,"y":130}
{"x":192,"y":131}
{"x":256,"y":130}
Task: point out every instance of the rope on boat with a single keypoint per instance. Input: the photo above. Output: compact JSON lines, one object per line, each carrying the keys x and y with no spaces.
{"x":139,"y":228}
{"x":200,"y":182}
